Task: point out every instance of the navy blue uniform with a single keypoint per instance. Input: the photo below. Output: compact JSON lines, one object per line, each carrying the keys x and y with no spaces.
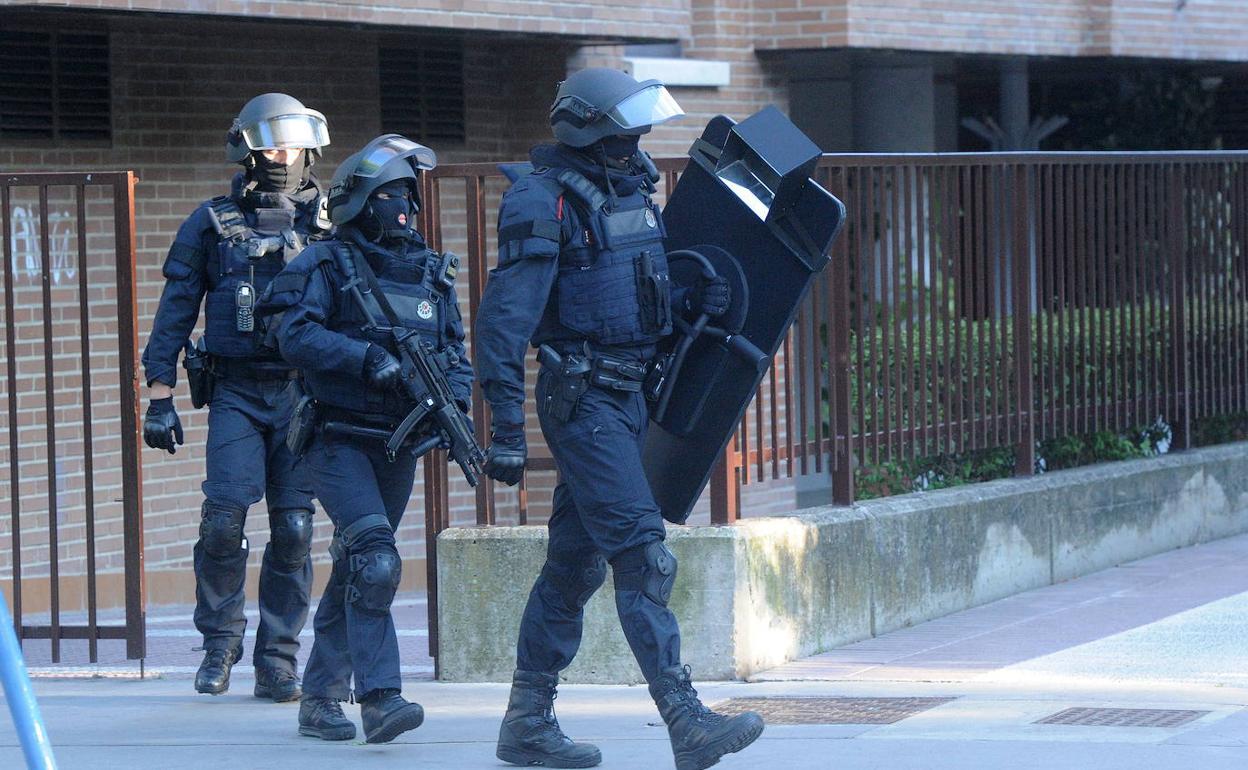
{"x":246,"y":457}
{"x":322,"y":331}
{"x":581,"y":267}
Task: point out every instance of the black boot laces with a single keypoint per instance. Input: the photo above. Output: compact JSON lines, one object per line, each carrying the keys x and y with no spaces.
{"x":331,"y":708}
{"x":688,"y":697}
{"x":546,"y":704}
{"x":219,"y":658}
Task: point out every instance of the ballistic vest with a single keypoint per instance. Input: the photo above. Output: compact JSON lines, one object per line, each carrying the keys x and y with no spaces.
{"x":249,"y":251}
{"x":613,"y":286}
{"x":419,"y":303}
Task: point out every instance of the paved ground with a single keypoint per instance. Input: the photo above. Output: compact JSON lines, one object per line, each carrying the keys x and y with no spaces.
{"x":1167,"y":633}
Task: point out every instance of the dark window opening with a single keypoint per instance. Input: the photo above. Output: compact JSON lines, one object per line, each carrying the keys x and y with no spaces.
{"x":54,"y":85}
{"x":423,"y":93}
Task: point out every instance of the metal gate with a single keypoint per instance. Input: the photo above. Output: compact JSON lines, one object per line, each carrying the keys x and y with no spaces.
{"x":75,"y":516}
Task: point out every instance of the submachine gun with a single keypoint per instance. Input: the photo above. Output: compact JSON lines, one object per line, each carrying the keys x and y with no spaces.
{"x":423,"y":380}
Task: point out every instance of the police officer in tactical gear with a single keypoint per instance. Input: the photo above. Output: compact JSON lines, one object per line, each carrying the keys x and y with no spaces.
{"x":227,"y":251}
{"x":339,"y":341}
{"x":582,"y":276}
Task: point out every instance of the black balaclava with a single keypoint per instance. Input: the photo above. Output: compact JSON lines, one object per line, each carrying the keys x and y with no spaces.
{"x":390,"y":219}
{"x":619,"y":149}
{"x":274,"y":177}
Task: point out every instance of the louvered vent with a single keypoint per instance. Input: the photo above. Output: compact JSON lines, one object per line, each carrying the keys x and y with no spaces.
{"x":54,"y":85}
{"x":422,"y":92}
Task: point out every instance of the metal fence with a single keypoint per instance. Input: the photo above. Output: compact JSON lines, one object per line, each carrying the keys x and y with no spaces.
{"x":71,"y":390}
{"x":997,"y":300}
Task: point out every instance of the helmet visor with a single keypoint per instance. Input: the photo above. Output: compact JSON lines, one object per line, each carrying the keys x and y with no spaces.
{"x":287,"y":132}
{"x":392,"y":147}
{"x":648,"y":107}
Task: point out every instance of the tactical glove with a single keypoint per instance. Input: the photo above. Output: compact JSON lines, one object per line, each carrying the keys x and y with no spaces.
{"x":504,"y":460}
{"x":381,"y":369}
{"x":711,"y":296}
{"x":161,"y":426}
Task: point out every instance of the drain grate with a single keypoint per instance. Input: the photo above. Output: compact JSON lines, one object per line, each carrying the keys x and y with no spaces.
{"x":1103,"y":717}
{"x":830,"y":711}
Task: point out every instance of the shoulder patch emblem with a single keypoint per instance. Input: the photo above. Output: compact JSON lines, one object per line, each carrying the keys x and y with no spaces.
{"x":424,"y":310}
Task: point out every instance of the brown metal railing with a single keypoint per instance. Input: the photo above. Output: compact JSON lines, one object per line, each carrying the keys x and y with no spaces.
{"x":97,"y":238}
{"x":974,"y":301}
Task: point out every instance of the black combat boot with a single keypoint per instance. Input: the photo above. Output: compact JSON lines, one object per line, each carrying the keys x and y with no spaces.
{"x":277,"y":684}
{"x":530,"y":734}
{"x":385,"y":715}
{"x":323,"y":718}
{"x":213,"y":676}
{"x":699,"y":736}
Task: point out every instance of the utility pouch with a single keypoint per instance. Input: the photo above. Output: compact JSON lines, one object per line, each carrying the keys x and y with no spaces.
{"x":571,"y":381}
{"x":614,"y":374}
{"x":656,"y":376}
{"x":653,"y":295}
{"x":199,"y":377}
{"x":302,"y":426}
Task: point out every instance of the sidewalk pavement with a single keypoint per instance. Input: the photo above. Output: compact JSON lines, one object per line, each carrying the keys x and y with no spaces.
{"x":1167,"y":633}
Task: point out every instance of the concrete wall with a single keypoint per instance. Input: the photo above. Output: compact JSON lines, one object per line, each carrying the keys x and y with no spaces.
{"x":769,"y":590}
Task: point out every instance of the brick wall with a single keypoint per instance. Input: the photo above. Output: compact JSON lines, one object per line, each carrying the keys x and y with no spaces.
{"x":586,"y":19}
{"x":176,"y":86}
{"x":175,"y":89}
{"x":1203,"y":29}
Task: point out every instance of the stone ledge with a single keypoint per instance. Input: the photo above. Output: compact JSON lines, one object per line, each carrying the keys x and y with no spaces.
{"x":769,"y":590}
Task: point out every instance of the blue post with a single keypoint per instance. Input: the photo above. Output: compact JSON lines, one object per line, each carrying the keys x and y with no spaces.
{"x":21,"y":697}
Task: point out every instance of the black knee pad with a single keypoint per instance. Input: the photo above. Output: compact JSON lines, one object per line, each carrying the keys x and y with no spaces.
{"x":290,"y":537}
{"x":221,"y":529}
{"x":374,"y":579}
{"x":578,"y":581}
{"x":649,"y":568}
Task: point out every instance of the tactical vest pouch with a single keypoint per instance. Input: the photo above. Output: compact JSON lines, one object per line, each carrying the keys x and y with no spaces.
{"x":302,"y":426}
{"x":199,"y":377}
{"x":617,"y":374}
{"x":653,"y":295}
{"x":571,"y":374}
{"x":656,"y":376}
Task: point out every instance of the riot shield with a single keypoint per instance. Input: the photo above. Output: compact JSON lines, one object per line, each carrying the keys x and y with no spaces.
{"x":746,"y":203}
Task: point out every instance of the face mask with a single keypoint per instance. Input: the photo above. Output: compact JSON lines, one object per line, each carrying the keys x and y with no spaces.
{"x":392,"y":217}
{"x":272,"y":176}
{"x":620,"y":148}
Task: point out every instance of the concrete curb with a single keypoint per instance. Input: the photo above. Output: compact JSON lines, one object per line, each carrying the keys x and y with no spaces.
{"x":769,"y":590}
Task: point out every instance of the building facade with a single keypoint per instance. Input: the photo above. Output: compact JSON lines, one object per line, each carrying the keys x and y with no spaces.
{"x":152,"y":85}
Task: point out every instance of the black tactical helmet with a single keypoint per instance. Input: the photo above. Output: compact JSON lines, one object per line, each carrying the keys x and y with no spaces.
{"x":385,"y":159}
{"x":275,"y":122}
{"x":599,"y":102}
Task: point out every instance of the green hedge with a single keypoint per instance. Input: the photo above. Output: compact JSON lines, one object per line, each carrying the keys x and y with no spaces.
{"x":1067,"y":374}
{"x":1070,"y":371}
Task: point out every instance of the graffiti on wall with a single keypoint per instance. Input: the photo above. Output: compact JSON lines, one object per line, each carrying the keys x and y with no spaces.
{"x":24,"y":235}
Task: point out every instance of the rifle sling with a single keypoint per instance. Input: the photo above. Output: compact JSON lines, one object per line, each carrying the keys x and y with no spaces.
{"x":375,"y":288}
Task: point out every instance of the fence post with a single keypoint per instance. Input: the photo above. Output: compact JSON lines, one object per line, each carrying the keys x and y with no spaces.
{"x":1180,"y":423}
{"x":132,"y":468}
{"x":726,"y":486}
{"x":1023,"y":207}
{"x":841,"y":427}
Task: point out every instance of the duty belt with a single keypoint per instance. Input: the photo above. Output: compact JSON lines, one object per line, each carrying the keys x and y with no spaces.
{"x":601,"y":370}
